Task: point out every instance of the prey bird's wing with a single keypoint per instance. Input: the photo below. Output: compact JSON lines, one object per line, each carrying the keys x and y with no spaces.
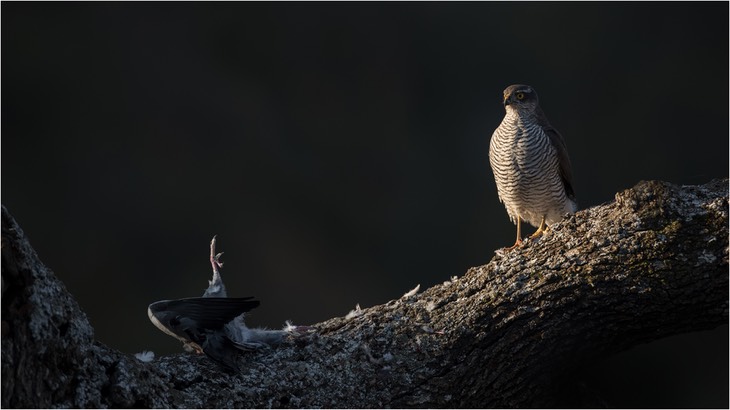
{"x":201,"y":321}
{"x":208,"y":313}
{"x":220,"y":349}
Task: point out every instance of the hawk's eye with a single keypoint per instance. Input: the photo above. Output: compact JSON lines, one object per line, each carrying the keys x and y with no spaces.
{"x":520,"y":96}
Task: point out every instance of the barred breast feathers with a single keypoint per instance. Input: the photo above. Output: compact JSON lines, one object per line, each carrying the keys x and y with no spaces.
{"x":527,"y":171}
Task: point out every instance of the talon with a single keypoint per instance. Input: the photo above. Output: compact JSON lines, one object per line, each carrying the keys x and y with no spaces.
{"x":215,"y":285}
{"x":213,"y":256}
{"x":217,"y":259}
{"x":540,"y":230}
{"x":518,"y":241}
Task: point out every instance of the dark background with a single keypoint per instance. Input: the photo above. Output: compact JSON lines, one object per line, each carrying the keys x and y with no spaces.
{"x":340,"y":150}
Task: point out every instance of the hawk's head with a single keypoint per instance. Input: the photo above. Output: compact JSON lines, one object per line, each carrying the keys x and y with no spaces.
{"x":520,"y":97}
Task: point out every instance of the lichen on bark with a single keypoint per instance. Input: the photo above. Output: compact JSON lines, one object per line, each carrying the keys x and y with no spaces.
{"x":651,"y":263}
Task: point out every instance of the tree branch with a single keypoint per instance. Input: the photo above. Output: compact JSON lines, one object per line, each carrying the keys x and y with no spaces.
{"x":507,"y":334}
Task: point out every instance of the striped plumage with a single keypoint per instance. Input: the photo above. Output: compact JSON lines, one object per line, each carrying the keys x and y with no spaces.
{"x":530,"y":163}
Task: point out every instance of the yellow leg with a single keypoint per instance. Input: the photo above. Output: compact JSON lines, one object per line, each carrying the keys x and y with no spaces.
{"x":540,"y":230}
{"x":518,"y":241}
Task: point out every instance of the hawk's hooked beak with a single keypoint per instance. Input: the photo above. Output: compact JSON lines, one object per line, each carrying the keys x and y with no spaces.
{"x":506,"y":101}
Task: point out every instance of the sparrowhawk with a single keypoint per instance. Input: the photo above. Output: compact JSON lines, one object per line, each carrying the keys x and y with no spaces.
{"x":530,"y":164}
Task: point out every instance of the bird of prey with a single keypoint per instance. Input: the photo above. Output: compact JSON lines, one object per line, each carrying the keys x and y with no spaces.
{"x":530,"y":163}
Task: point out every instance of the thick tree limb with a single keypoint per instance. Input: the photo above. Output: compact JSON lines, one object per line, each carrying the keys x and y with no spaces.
{"x":650,"y":264}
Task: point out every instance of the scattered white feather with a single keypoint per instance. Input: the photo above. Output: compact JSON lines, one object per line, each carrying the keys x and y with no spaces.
{"x":412,"y":292}
{"x":431,"y":305}
{"x":145,"y":356}
{"x":451,"y":280}
{"x":246,"y":338}
{"x":354,"y":313}
{"x":288,"y":327}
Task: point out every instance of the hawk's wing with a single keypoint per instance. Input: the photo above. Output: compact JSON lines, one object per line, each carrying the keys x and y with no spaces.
{"x":566,"y":172}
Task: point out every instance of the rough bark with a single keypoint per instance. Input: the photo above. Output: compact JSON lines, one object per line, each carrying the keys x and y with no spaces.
{"x":652,"y":263}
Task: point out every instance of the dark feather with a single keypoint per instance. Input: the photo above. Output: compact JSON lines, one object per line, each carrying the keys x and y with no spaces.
{"x":221,"y":350}
{"x":566,"y":173}
{"x":207,"y":313}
